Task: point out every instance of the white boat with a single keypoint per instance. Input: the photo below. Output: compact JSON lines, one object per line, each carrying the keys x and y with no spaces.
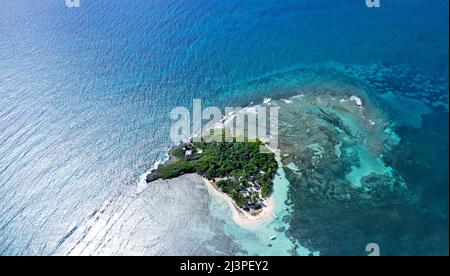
{"x":274,"y":237}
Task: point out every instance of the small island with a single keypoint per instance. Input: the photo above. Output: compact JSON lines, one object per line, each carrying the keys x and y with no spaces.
{"x":240,"y":170}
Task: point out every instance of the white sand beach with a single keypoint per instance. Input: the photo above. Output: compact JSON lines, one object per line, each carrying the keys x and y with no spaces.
{"x":240,"y":216}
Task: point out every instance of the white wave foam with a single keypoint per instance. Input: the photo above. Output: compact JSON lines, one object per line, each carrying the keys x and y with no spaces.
{"x":142,"y":184}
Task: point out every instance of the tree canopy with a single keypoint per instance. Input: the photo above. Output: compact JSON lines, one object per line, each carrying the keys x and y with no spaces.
{"x":245,"y":173}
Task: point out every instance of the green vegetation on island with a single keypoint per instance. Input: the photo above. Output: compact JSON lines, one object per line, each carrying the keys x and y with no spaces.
{"x":239,"y":169}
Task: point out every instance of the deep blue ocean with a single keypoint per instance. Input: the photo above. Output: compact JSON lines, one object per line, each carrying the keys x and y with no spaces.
{"x":85,"y":96}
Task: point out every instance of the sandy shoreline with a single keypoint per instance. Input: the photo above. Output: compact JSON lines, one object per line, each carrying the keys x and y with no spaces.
{"x":240,"y":216}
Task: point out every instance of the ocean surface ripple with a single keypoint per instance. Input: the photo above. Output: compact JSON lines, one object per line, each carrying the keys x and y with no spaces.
{"x":85,"y":96}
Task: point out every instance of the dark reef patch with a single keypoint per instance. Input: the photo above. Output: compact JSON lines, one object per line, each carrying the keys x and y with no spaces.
{"x":332,"y":217}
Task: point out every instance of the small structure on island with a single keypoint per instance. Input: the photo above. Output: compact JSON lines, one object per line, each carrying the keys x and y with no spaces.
{"x":188,"y":153}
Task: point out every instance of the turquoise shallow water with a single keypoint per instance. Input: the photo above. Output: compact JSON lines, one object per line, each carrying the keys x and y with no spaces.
{"x":86,"y":93}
